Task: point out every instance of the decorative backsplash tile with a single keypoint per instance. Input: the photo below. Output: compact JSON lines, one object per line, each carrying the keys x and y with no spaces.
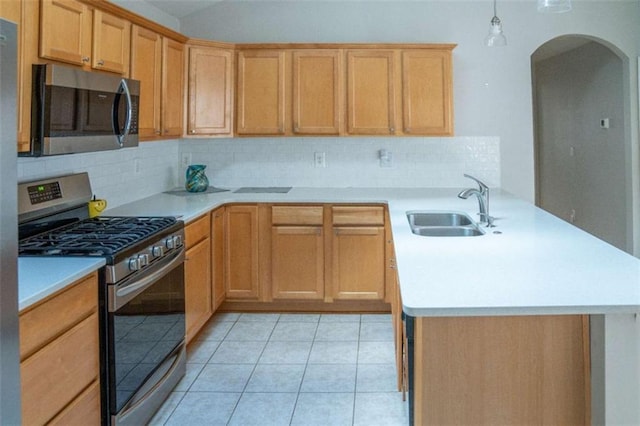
{"x":416,"y":162}
{"x":133,"y":173}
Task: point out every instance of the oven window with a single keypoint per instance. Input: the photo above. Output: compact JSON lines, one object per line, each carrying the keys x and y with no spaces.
{"x":145,"y":331}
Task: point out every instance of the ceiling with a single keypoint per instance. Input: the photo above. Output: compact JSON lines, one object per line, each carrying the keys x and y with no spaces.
{"x":181,"y":8}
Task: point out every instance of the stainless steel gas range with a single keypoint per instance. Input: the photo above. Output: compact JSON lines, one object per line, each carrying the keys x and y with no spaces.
{"x":141,"y":289}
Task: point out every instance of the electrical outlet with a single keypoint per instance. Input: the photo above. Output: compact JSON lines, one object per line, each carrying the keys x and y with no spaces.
{"x":319,"y":159}
{"x":185,"y":159}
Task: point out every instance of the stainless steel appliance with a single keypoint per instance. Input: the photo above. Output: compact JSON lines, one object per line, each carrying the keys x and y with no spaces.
{"x":9,"y":359}
{"x":142,"y":295}
{"x":80,"y":111}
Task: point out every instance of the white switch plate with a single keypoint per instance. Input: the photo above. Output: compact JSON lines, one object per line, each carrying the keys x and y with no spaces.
{"x":386,"y":158}
{"x":185,"y":160}
{"x":319,"y":159}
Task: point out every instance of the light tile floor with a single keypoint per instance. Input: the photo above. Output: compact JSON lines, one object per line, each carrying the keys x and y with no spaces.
{"x":289,"y":369}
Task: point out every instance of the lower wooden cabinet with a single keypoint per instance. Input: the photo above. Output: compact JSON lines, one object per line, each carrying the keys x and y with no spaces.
{"x":197,"y":274}
{"x":217,"y":256}
{"x":59,"y":357}
{"x":297,"y":262}
{"x":241,"y":252}
{"x":358,"y":262}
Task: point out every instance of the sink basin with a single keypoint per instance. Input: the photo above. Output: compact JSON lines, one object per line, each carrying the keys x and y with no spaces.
{"x":442,"y":224}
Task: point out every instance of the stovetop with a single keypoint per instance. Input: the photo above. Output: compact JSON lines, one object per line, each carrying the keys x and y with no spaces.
{"x":100,"y":236}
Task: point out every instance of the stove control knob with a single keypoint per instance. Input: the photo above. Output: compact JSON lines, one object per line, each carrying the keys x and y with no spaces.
{"x":143,"y":259}
{"x":169,"y":243}
{"x":157,"y":251}
{"x":134,"y":264}
{"x":177,"y":241}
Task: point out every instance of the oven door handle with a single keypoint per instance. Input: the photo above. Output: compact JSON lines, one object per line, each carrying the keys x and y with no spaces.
{"x":121,"y":294}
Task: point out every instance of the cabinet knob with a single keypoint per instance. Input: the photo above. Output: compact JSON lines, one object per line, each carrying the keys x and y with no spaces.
{"x":85,"y":59}
{"x":192,"y":131}
{"x":391,"y":129}
{"x":101,"y":62}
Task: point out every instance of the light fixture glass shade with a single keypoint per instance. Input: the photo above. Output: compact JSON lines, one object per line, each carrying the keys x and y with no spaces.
{"x":496,"y":37}
{"x":554,"y":6}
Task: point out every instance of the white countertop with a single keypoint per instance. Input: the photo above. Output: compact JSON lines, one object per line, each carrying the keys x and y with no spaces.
{"x":538,"y":264}
{"x":39,"y":277}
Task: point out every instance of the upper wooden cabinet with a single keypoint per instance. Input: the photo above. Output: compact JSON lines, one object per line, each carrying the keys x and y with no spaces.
{"x":172,"y":88}
{"x":209,"y":110}
{"x":371,"y":92}
{"x":146,"y":66}
{"x":344,"y":89}
{"x":411,"y":88}
{"x":316,"y":91}
{"x":65,"y":31}
{"x":111,"y":41}
{"x":71,"y":32}
{"x":261,"y":92}
{"x":158,"y":63}
{"x":427,"y":98}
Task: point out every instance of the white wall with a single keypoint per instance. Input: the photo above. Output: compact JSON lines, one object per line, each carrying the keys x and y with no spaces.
{"x":492,"y":87}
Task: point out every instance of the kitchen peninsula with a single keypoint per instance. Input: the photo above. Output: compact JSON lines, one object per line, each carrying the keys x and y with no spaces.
{"x":531,"y":265}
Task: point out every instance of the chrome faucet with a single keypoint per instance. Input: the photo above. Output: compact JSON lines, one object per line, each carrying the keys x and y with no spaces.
{"x":483,"y":199}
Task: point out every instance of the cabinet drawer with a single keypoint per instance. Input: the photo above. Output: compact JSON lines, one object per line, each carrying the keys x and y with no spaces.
{"x":55,"y":375}
{"x":84,"y":410}
{"x":197,"y":230}
{"x":358,"y":215}
{"x":296,"y":215}
{"x":44,"y":322}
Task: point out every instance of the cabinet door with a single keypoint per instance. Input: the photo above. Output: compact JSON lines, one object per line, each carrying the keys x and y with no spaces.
{"x":197,"y":274}
{"x":297,"y":262}
{"x":28,"y":54}
{"x":358,"y":262}
{"x":316,"y":92}
{"x":241,"y":252}
{"x":65,"y":31}
{"x":210,"y":91}
{"x":111,"y":43}
{"x":217,"y":256}
{"x":427,"y":92}
{"x":172,"y":88}
{"x":371,"y":92}
{"x":261,"y":93}
{"x":146,"y":64}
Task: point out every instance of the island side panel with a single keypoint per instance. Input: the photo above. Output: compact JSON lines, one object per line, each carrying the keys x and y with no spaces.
{"x":502,"y":370}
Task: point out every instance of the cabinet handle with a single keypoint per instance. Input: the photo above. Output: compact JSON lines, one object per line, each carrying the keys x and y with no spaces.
{"x":192,"y":131}
{"x":85,"y":59}
{"x":158,"y":132}
{"x":101,"y":62}
{"x":391,"y":129}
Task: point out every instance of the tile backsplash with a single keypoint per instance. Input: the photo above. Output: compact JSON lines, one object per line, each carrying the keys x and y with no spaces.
{"x":133,"y":173}
{"x":118,"y":176}
{"x":415,"y":162}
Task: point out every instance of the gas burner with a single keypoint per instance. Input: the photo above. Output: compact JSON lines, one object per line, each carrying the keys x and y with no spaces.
{"x":101,"y":236}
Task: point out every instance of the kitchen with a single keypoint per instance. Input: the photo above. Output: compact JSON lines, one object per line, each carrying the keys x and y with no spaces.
{"x":492,"y":90}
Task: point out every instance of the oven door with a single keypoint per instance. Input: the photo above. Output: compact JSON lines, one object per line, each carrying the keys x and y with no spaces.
{"x":145,"y":340}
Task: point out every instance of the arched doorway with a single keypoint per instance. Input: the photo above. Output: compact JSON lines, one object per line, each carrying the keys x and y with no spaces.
{"x":581,"y":136}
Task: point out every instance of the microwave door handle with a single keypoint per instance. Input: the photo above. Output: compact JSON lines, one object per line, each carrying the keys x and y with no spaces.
{"x":127,"y":127}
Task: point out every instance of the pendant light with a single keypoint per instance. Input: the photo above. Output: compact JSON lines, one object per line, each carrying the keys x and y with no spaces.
{"x":495,"y":38}
{"x":554,"y":6}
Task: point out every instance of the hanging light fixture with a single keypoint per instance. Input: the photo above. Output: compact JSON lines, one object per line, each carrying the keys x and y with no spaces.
{"x":554,"y":6}
{"x":495,"y":38}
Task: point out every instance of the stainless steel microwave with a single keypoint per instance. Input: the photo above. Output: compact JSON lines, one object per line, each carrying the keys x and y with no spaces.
{"x":76,"y":111}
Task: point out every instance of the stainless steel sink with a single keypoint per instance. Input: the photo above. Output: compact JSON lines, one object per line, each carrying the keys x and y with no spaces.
{"x":442,"y":224}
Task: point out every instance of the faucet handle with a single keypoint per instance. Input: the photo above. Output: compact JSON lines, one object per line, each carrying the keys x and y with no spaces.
{"x":483,"y":188}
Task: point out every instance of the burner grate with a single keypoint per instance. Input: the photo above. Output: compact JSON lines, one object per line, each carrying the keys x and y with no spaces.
{"x":99,"y":236}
